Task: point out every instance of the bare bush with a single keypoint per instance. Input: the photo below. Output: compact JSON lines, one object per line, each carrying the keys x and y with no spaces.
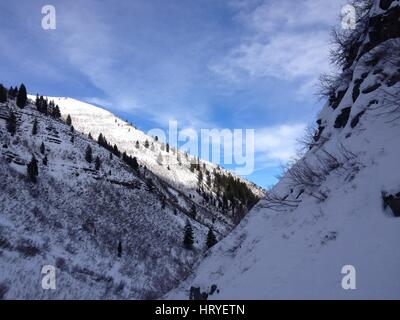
{"x":390,"y":105}
{"x":278,"y":203}
{"x":307,"y":141}
{"x":310,"y":176}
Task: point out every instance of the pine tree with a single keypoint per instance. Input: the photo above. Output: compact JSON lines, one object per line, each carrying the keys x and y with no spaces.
{"x":42,"y":148}
{"x":12,"y":123}
{"x":3,"y":94}
{"x":45,"y":160}
{"x":57,"y":112}
{"x":146,"y":144}
{"x":97,"y":163}
{"x":32,"y":170}
{"x":69,"y":120}
{"x":188,"y":236}
{"x":88,"y":154}
{"x":119,"y":249}
{"x":193,"y":211}
{"x":90,"y":136}
{"x":37,"y":101}
{"x":22,"y":97}
{"x":135,"y":164}
{"x":200,"y":178}
{"x":211,"y":239}
{"x":12,"y":93}
{"x":167,"y":147}
{"x":72,"y":138}
{"x":35,"y":127}
{"x":137,"y":145}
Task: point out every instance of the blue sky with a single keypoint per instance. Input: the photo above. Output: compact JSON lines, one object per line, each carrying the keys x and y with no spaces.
{"x":206,"y":63}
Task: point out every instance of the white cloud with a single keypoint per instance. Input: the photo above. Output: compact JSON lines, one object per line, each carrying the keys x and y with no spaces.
{"x":288,"y":40}
{"x":277,"y":144}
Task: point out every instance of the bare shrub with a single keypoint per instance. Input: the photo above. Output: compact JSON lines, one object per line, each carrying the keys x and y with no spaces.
{"x":278,"y":203}
{"x":390,"y":105}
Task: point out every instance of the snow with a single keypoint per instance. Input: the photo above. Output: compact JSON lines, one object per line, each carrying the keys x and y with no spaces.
{"x":299,"y":253}
{"x":75,"y":216}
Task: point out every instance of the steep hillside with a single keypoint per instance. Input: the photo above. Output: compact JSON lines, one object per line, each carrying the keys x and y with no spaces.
{"x":190,"y":177}
{"x":340,"y":203}
{"x":110,"y":229}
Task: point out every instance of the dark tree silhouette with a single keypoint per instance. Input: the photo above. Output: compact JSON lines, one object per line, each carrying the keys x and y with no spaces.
{"x":88,"y":154}
{"x":12,"y":123}
{"x":188,"y":236}
{"x":32,"y":170}
{"x":211,"y":239}
{"x":22,"y":97}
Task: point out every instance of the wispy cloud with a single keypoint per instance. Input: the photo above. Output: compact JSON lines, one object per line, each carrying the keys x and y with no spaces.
{"x":288,"y":40}
{"x":277,"y":144}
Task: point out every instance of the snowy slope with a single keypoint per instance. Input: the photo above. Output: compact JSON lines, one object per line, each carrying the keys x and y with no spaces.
{"x":88,"y":118}
{"x":75,"y":217}
{"x":174,"y":169}
{"x":328,"y":210}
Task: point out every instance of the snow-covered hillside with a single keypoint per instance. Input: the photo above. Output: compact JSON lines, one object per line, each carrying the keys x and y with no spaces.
{"x":337,"y":205}
{"x":170,"y":165}
{"x":111,"y":231}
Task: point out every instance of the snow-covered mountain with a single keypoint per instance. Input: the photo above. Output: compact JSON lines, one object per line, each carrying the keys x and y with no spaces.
{"x":111,"y":231}
{"x":339,"y":204}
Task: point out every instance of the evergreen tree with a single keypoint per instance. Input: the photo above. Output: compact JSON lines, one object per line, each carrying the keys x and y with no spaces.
{"x":90,"y":136}
{"x":137,"y":144}
{"x":3,"y":94}
{"x":200,"y":178}
{"x":119,"y":249}
{"x":32,"y":170}
{"x":88,"y":154}
{"x":42,"y":105}
{"x":12,"y":93}
{"x":116,"y":151}
{"x":188,"y":236}
{"x":42,"y":148}
{"x":146,"y":144}
{"x":111,"y":156}
{"x":72,"y":138}
{"x":45,"y":160}
{"x":167,"y":147}
{"x":97,"y":163}
{"x":69,"y":120}
{"x":37,"y":101}
{"x":135,"y":164}
{"x":193,"y":211}
{"x":35,"y":127}
{"x":12,"y":123}
{"x":22,"y":97}
{"x":57,"y":112}
{"x":211,"y":239}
